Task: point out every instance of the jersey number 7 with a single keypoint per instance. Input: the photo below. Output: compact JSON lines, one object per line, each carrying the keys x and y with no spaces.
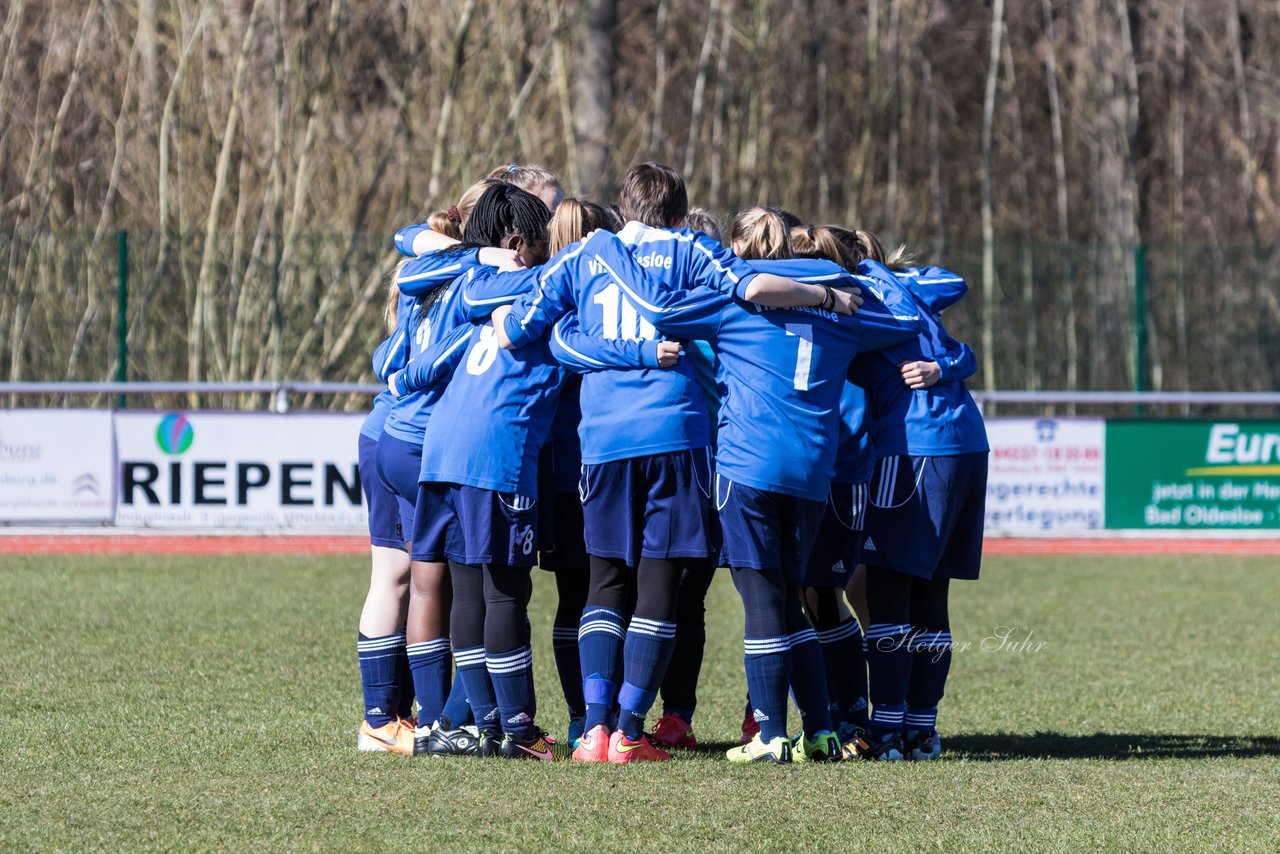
{"x":804,"y":354}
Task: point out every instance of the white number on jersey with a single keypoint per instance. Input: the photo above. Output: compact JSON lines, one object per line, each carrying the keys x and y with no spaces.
{"x":804,"y":353}
{"x":484,"y":353}
{"x":620,"y":318}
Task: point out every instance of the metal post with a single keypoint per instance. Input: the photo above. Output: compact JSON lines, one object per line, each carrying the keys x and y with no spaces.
{"x":1139,"y":320}
{"x":122,"y":311}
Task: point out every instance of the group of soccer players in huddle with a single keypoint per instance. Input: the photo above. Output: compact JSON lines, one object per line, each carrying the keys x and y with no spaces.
{"x":611,"y":394}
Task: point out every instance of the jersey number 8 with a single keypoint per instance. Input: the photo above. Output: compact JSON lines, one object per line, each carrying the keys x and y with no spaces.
{"x":484,"y":353}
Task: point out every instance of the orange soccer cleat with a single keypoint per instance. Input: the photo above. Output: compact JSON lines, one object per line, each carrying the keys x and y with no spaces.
{"x":594,"y":745}
{"x":623,"y":750}
{"x":393,"y":737}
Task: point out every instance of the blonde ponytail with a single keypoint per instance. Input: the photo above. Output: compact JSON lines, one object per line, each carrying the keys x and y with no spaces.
{"x":761,"y":234}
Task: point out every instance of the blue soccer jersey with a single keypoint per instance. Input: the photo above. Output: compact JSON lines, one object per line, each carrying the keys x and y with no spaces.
{"x":942,"y":420}
{"x":784,"y":369}
{"x":498,"y":406}
{"x":430,"y":270}
{"x":675,"y":417}
{"x":426,"y":326}
{"x":392,"y":354}
{"x":404,"y":238}
{"x":855,"y":454}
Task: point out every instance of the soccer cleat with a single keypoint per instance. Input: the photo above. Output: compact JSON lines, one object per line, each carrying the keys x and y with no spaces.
{"x":750,"y":728}
{"x":922,"y":745}
{"x":869,"y":748}
{"x":777,"y":751}
{"x":534,"y":746}
{"x":447,"y":741}
{"x":672,"y":731}
{"x":824,"y":747}
{"x":575,"y":732}
{"x":422,"y":738}
{"x":393,"y":737}
{"x":848,"y":732}
{"x":487,"y":743}
{"x":623,"y":750}
{"x":593,"y":746}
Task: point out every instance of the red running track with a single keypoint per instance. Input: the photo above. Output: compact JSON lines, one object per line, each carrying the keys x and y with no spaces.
{"x":167,"y":544}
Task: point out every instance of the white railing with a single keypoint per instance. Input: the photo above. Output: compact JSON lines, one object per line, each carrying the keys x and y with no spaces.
{"x":1152,"y":398}
{"x":280,"y":392}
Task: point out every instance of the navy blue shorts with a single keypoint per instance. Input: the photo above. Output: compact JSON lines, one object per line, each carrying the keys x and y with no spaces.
{"x":560,"y":540}
{"x":925,"y":515}
{"x":767,"y":530}
{"x":379,"y":500}
{"x":838,"y":548}
{"x":655,"y":506}
{"x":398,"y":463}
{"x":474,"y":526}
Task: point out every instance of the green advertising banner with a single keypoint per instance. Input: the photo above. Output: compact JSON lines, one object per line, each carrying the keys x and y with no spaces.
{"x":1193,"y":474}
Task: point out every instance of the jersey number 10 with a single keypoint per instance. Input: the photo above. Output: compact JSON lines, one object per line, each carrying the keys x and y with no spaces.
{"x":620,"y":318}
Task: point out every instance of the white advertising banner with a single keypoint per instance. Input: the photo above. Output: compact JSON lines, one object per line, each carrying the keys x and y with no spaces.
{"x":56,"y":465}
{"x":1046,"y":475}
{"x":239,"y":471}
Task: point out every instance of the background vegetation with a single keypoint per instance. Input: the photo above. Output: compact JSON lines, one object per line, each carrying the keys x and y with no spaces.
{"x":260,"y":153}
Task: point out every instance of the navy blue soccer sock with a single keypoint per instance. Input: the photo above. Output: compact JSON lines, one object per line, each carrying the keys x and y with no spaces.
{"x":768,"y":665}
{"x":600,"y":640}
{"x":404,"y":708}
{"x":564,"y":645}
{"x":931,"y":662}
{"x":510,"y":672}
{"x":456,"y":708}
{"x":466,"y":624}
{"x":430,"y":662}
{"x":508,"y":656}
{"x":846,"y":663}
{"x":645,"y":656}
{"x":380,"y":676}
{"x":809,"y":682}
{"x":767,"y":646}
{"x":889,"y":667}
{"x":479,"y":688}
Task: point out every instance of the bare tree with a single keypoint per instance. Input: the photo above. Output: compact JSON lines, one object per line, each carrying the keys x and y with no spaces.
{"x":593,"y":116}
{"x":988,"y":221}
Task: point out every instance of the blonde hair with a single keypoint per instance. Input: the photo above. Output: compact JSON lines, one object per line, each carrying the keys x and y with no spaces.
{"x":461,"y":212}
{"x":699,"y":219}
{"x":393,"y":296}
{"x":762,"y":233}
{"x":823,"y":241}
{"x":865,"y":244}
{"x":573,"y":220}
{"x":531,"y":179}
{"x":442,"y":224}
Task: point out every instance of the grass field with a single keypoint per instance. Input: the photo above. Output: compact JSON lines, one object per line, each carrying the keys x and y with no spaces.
{"x":210,"y":703}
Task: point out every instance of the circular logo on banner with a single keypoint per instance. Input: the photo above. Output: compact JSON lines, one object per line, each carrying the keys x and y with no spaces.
{"x":174,"y":433}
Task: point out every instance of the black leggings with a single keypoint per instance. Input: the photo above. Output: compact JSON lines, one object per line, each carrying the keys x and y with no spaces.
{"x":895,"y":597}
{"x":490,"y":606}
{"x":680,"y":687}
{"x":656,"y":584}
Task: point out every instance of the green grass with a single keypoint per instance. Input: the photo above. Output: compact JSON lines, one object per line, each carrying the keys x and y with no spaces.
{"x":210,"y":703}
